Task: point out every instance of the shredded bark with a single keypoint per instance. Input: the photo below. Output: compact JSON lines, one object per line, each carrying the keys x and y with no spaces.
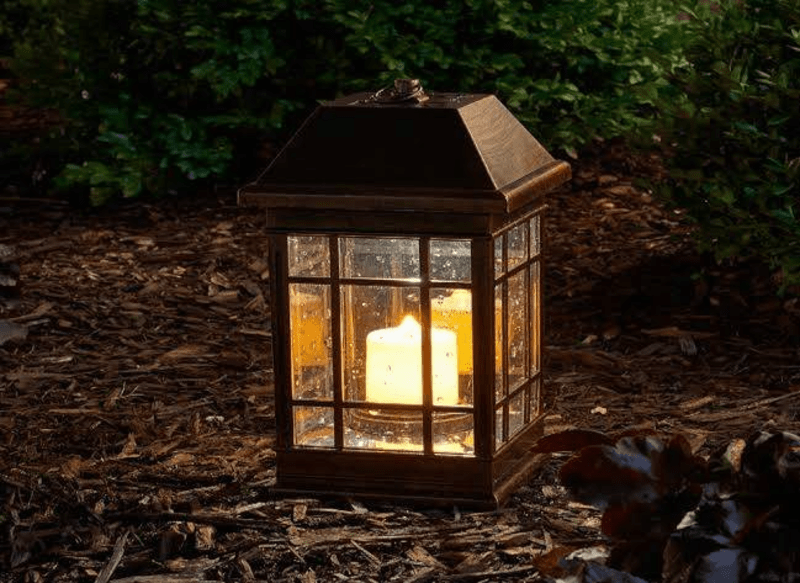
{"x":137,"y":412}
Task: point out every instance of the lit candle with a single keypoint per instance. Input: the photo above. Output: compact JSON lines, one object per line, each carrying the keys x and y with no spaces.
{"x":394,"y":365}
{"x":308,"y":336}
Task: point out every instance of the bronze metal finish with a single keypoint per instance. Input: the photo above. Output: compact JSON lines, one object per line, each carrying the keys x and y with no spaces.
{"x":403,"y":163}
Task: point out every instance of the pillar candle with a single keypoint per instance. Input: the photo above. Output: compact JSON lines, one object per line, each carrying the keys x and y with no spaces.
{"x":394,"y":365}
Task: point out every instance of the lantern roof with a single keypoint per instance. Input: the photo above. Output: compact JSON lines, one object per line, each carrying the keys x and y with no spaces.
{"x":441,"y":152}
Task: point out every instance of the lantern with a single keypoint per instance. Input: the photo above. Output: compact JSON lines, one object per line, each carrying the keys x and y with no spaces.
{"x":405,"y":252}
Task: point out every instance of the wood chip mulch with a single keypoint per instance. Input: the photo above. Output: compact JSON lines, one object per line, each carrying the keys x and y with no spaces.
{"x":137,"y":419}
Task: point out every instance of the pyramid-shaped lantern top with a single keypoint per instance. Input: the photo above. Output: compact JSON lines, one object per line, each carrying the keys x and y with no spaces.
{"x":440,"y":152}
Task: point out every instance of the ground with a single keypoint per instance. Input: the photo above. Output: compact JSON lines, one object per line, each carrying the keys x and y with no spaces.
{"x":137,"y":421}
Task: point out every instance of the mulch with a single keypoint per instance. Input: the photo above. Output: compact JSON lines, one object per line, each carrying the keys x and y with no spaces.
{"x":137,"y":412}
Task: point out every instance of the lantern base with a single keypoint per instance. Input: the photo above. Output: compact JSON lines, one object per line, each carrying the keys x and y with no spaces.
{"x":417,"y":479}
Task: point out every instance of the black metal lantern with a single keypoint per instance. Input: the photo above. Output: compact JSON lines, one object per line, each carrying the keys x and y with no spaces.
{"x":405,"y":244}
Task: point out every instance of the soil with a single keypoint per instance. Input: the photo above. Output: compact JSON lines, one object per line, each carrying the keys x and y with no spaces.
{"x":137,"y":419}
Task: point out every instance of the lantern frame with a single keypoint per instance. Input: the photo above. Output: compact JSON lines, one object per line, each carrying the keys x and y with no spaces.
{"x":333,"y":182}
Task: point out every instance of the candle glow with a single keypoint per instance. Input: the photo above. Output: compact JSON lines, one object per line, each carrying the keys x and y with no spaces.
{"x":455,"y":313}
{"x":394,"y":365}
{"x":308,"y":336}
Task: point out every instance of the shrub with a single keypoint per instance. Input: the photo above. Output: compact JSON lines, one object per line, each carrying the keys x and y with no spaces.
{"x":673,"y":516}
{"x":157,"y":94}
{"x":571,"y":70}
{"x":152,"y":93}
{"x":734,"y":146}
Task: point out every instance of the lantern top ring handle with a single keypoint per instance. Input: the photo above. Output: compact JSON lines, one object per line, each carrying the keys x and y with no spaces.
{"x":403,"y":91}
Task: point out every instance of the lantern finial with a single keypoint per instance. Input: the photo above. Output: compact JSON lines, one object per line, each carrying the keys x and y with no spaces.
{"x":404,"y":90}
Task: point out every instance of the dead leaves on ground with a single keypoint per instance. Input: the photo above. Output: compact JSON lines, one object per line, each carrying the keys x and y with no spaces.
{"x":140,"y":400}
{"x":675,"y":517}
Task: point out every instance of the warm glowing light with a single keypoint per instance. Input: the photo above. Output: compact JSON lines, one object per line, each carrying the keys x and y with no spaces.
{"x":448,"y":447}
{"x":394,"y":365}
{"x":454,"y":312}
{"x":308,"y":334}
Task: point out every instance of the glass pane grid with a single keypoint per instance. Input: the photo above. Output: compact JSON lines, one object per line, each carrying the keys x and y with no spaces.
{"x":309,"y":256}
{"x":536,"y":397}
{"x":311,"y":341}
{"x":313,"y":426}
{"x":499,"y":352}
{"x":517,"y":339}
{"x":516,"y":414}
{"x":499,"y":261}
{"x":451,"y":309}
{"x":517,"y":245}
{"x":450,"y":260}
{"x":379,"y":258}
{"x":378,"y":282}
{"x":534,"y":287}
{"x":536,"y":235}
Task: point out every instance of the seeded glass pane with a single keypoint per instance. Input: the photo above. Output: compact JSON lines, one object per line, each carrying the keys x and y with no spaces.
{"x":380,"y":331}
{"x":383,"y":430}
{"x":498,"y":428}
{"x":379,"y":258}
{"x":451,"y":260}
{"x":517,"y":333}
{"x":517,"y":245}
{"x":309,"y":256}
{"x":536,"y":398}
{"x":536,"y":235}
{"x":534,"y":319}
{"x":451,"y":309}
{"x":313,"y":426}
{"x":516,"y":414}
{"x":498,"y":257}
{"x":453,"y":434}
{"x":311,"y":341}
{"x":498,"y":343}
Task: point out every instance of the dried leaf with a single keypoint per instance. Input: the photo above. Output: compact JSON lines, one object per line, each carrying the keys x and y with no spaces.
{"x":602,"y":475}
{"x":771,"y":462}
{"x":570,"y":440}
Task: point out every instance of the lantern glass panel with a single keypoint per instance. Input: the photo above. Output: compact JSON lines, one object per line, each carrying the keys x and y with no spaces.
{"x":516,"y":413}
{"x":517,"y":239}
{"x":313,"y":426}
{"x":535,"y":328}
{"x":383,"y":429}
{"x":451,"y":260}
{"x":453,"y":433}
{"x":309,"y":256}
{"x":451,"y":309}
{"x":379,"y":258}
{"x":373,"y":329}
{"x":499,"y":264}
{"x":536,"y":398}
{"x":536,"y":235}
{"x":498,"y":343}
{"x":517,"y":346}
{"x":311,"y":341}
{"x":498,"y":428}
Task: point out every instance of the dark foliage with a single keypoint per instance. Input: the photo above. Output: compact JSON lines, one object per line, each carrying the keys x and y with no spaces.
{"x":157,"y":95}
{"x":732,"y":133}
{"x":675,"y":517}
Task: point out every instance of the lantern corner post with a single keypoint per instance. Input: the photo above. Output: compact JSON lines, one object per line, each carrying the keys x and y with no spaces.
{"x":281,"y":348}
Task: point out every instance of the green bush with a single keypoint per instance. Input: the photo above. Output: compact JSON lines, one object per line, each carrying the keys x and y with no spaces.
{"x":571,"y":70}
{"x":734,"y":144}
{"x":158,"y":94}
{"x":15,"y":18}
